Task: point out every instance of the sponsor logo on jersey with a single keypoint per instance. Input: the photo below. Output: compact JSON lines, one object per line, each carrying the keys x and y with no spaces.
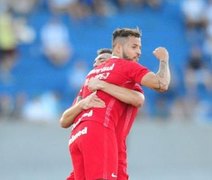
{"x":88,"y":114}
{"x":103,"y":69}
{"x":78,"y":134}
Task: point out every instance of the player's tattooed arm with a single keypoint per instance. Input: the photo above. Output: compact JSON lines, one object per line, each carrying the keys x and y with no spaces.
{"x":161,"y":80}
{"x":163,"y":76}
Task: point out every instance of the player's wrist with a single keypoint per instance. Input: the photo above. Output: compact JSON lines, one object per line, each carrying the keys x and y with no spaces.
{"x":164,"y":59}
{"x":81,"y":105}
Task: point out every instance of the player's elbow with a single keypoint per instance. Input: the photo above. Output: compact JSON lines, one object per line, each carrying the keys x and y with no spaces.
{"x":63,"y":123}
{"x":139,"y":102}
{"x":164,"y":88}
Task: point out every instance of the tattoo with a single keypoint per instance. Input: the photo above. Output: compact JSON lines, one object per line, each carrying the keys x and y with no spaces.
{"x":161,"y":86}
{"x":163,"y":65}
{"x":162,"y":76}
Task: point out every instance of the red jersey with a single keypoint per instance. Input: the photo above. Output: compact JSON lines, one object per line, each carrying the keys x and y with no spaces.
{"x":116,"y":71}
{"x":128,"y":117}
{"x":122,"y":130}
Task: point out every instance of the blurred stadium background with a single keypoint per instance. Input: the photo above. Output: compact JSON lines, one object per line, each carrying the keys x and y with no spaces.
{"x":48,"y":46}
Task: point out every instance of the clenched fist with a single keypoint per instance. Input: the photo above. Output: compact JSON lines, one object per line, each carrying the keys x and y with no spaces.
{"x":161,"y":54}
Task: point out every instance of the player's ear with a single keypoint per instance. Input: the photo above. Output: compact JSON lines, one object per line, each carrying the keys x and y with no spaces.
{"x":118,"y":48}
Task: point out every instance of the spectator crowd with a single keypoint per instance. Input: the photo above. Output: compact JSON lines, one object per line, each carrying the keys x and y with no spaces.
{"x":42,"y":65}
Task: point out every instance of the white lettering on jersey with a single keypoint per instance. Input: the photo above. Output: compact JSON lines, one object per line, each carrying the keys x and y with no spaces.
{"x":103,"y":75}
{"x":103,"y":69}
{"x":100,"y":73}
{"x":78,"y":134}
{"x":88,"y":114}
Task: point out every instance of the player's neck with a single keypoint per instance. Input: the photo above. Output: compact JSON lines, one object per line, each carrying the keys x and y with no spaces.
{"x":115,"y":56}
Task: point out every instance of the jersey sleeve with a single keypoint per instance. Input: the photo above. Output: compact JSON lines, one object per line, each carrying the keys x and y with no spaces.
{"x":136,"y":71}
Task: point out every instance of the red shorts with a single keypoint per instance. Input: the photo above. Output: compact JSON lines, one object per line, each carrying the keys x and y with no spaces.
{"x":94,"y":152}
{"x":71,"y":176}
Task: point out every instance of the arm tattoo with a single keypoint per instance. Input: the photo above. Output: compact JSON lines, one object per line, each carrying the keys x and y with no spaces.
{"x":162,"y":75}
{"x":163,"y":65}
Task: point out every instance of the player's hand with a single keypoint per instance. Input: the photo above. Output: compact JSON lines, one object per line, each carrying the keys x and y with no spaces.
{"x":95,"y":84}
{"x":161,"y":54}
{"x":92,"y":101}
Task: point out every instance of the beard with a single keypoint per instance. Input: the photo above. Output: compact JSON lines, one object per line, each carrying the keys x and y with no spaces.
{"x":126,"y":57}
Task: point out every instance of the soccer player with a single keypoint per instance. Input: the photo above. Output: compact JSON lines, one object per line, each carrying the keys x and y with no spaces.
{"x":93,"y":144}
{"x":135,"y":98}
{"x":125,"y":95}
{"x":102,"y":55}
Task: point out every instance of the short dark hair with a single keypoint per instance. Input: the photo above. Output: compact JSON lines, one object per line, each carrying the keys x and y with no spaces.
{"x":126,"y":32}
{"x":104,"y":50}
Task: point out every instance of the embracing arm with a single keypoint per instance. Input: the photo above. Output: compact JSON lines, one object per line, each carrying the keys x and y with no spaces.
{"x":128,"y":96}
{"x":125,"y":95}
{"x":161,"y":80}
{"x":71,"y":113}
